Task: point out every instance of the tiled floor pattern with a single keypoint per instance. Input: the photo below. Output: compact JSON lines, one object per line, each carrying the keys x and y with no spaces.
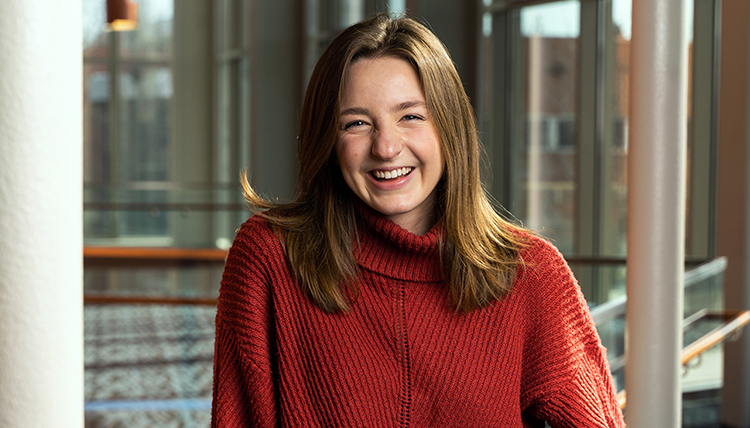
{"x":148,"y":365}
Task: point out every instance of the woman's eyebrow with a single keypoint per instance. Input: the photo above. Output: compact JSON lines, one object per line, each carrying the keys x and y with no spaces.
{"x":399,"y":107}
{"x":410,"y":104}
{"x":354,"y":110}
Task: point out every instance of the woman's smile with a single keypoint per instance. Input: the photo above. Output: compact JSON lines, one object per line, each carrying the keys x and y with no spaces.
{"x":388,"y":175}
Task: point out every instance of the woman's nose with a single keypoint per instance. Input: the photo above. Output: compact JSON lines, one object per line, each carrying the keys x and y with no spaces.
{"x":386,"y":144}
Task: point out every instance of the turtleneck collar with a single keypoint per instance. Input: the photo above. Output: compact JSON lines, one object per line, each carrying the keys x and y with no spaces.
{"x":388,"y":249}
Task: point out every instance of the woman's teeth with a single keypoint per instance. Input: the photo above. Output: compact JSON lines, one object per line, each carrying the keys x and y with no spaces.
{"x":387,"y":175}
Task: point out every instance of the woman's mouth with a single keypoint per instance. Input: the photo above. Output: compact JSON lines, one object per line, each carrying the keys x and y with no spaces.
{"x":381,"y":175}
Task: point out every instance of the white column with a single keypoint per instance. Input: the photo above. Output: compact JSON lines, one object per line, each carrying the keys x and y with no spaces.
{"x":41,"y":273}
{"x":656,"y":213}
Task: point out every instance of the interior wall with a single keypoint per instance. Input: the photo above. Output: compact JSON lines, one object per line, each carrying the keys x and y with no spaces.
{"x":732,"y":197}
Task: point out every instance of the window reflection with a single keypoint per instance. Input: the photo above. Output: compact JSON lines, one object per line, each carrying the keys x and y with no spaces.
{"x":153,"y":39}
{"x":543,"y":191}
{"x":144,"y":123}
{"x":615,"y":144}
{"x":554,"y":20}
{"x":127,"y":118}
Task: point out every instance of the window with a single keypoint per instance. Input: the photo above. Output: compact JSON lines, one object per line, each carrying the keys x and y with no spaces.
{"x":554,"y":116}
{"x":128,"y":83}
{"x":534,"y":160}
{"x":158,"y":160}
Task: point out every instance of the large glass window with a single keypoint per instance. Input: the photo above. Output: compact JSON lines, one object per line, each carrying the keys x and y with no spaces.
{"x":543,"y":188}
{"x":128,"y":81}
{"x":158,"y":162}
{"x":554,"y":115}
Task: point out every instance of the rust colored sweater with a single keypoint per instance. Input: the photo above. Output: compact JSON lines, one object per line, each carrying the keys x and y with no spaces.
{"x":402,"y":356}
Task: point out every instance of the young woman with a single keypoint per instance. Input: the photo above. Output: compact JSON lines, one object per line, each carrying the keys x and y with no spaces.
{"x":390,"y":293}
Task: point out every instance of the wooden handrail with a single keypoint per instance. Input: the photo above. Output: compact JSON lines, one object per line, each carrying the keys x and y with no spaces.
{"x":151,"y":253}
{"x":151,"y":256}
{"x":733,"y":322}
{"x":159,"y":256}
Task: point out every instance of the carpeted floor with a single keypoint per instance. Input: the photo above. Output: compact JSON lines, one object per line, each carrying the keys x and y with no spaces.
{"x":148,"y":365}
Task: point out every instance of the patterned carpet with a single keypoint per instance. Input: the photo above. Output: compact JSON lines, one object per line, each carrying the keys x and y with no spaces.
{"x":148,"y":365}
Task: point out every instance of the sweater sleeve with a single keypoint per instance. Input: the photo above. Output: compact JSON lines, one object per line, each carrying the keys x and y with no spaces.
{"x":567,"y":380}
{"x":244,"y":389}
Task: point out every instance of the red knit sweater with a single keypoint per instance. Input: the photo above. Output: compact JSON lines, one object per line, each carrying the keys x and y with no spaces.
{"x":402,"y":356}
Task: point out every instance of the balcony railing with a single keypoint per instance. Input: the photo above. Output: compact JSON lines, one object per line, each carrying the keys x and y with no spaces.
{"x":706,"y":324}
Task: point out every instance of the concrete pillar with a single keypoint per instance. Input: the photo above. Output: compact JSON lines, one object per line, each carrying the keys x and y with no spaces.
{"x":41,"y":272}
{"x":656,"y":213}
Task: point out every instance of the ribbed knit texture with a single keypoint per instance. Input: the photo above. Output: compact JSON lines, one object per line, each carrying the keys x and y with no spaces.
{"x":403,"y":356}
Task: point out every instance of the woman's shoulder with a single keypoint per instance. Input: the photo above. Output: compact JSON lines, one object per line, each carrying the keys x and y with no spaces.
{"x":541,"y":262}
{"x":254,"y":255}
{"x":256,"y":222}
{"x":255,"y":238}
{"x":255,"y":227}
{"x":536,"y":247}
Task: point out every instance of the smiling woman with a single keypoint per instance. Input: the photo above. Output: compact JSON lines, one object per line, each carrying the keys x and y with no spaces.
{"x":388,"y":147}
{"x":390,"y":292}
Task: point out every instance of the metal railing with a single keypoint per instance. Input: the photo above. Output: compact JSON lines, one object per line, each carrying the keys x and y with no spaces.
{"x":729,"y":322}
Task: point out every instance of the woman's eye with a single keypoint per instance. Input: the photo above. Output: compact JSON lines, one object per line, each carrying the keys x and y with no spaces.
{"x":413,"y":117}
{"x":353,"y":124}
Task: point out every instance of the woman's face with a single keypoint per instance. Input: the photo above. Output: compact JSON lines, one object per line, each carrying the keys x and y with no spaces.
{"x":388,"y":147}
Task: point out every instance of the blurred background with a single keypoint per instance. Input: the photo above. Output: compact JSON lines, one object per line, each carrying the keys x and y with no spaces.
{"x":201,"y":90}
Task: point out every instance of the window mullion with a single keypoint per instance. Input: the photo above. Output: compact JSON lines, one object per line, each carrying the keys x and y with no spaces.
{"x":113,"y":133}
{"x":702,"y":173}
{"x":588,"y":138}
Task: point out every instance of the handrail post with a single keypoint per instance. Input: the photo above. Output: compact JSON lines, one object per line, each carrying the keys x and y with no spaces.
{"x":656,"y":212}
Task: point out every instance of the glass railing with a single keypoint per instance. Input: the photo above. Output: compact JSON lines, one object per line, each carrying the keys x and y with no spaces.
{"x":162,"y":214}
{"x":703,"y":316}
{"x":704,"y":295}
{"x":132,"y":235}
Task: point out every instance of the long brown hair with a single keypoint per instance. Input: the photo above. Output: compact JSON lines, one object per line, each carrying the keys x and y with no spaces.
{"x":480,"y":250}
